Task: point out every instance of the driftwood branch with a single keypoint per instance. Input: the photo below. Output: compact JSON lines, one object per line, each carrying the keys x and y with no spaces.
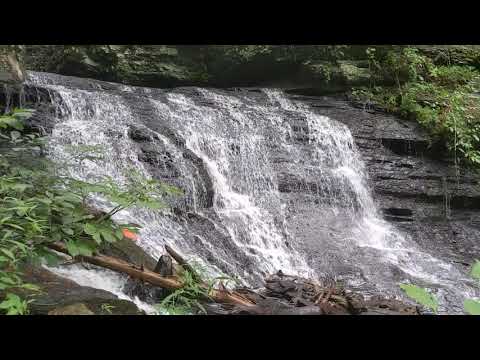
{"x":167,"y":282}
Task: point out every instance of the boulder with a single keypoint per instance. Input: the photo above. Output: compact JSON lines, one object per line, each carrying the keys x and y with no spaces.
{"x":62,"y":296}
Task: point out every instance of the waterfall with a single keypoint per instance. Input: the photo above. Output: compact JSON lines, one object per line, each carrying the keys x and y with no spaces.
{"x":268,"y":184}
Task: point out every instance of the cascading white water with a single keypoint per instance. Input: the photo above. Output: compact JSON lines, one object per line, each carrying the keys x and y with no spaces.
{"x":244,"y":182}
{"x":245,"y":145}
{"x":384,"y":243}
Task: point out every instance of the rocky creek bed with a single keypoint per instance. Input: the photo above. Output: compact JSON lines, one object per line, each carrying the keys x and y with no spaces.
{"x":281,"y":295}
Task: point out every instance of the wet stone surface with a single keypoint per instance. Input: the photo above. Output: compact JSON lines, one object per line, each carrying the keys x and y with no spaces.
{"x":262,"y":171}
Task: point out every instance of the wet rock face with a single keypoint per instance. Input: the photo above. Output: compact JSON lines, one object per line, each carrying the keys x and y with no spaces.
{"x":61,"y":296}
{"x":290,"y":295}
{"x":437,"y":204}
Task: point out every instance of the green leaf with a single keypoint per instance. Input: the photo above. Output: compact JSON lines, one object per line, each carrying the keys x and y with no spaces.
{"x":31,"y":287}
{"x":72,"y":248}
{"x":5,"y":219}
{"x":13,"y":122}
{"x":84,"y":248}
{"x":119,"y":234}
{"x":45,"y":201}
{"x":8,"y":253}
{"x":22,"y":246}
{"x":52,"y":259}
{"x":421,"y":296}
{"x":90,"y":229}
{"x":472,"y":307}
{"x":11,"y":300}
{"x":21,"y":187}
{"x":15,"y":226}
{"x":14,"y":305}
{"x":23,"y":112}
{"x":7,"y":280}
{"x":151,"y":204}
{"x":68,"y":231}
{"x":71,"y":198}
{"x":97,"y":238}
{"x":476,"y":270}
{"x":108,"y":235}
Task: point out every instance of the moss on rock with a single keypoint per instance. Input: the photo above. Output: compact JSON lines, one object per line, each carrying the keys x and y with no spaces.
{"x":73,"y":309}
{"x":127,"y":250}
{"x":324,"y":67}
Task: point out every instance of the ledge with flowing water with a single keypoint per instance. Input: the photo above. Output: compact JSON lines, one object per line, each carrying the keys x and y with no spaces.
{"x":271,"y":183}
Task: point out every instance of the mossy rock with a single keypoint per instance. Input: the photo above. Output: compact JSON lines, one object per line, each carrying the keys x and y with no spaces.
{"x":127,"y":250}
{"x":58,"y":292}
{"x":323,"y":66}
{"x":73,"y":309}
{"x":167,"y":66}
{"x":97,"y":307}
{"x":355,"y":73}
{"x":453,"y":54}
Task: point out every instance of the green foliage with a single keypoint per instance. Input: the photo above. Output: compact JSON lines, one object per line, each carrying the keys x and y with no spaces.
{"x":107,"y":308}
{"x":187,"y":300}
{"x":476,"y":270}
{"x":426,"y":299}
{"x":421,"y":296}
{"x":472,"y":307}
{"x":14,"y":305}
{"x":440,"y":98}
{"x":41,"y":204}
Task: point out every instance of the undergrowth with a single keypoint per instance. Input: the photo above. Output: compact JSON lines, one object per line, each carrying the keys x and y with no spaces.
{"x":442,"y":98}
{"x":196,"y":289}
{"x":41,"y":204}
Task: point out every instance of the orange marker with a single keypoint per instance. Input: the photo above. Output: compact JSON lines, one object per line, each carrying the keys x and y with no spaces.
{"x":130,"y":235}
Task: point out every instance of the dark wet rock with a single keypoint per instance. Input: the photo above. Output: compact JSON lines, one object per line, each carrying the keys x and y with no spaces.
{"x":147,"y":293}
{"x":127,"y":250}
{"x":289,"y":295}
{"x":430,"y":199}
{"x":396,"y":214}
{"x":140,"y":135}
{"x":62,"y":296}
{"x":425,"y":197}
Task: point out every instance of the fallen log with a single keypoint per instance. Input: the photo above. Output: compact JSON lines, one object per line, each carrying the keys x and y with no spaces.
{"x":167,"y":282}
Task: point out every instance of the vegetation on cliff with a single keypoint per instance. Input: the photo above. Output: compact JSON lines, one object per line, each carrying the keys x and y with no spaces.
{"x":42,"y":204}
{"x":442,"y":96}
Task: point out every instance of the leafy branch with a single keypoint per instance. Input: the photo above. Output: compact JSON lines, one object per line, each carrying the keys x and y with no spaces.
{"x":41,"y":204}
